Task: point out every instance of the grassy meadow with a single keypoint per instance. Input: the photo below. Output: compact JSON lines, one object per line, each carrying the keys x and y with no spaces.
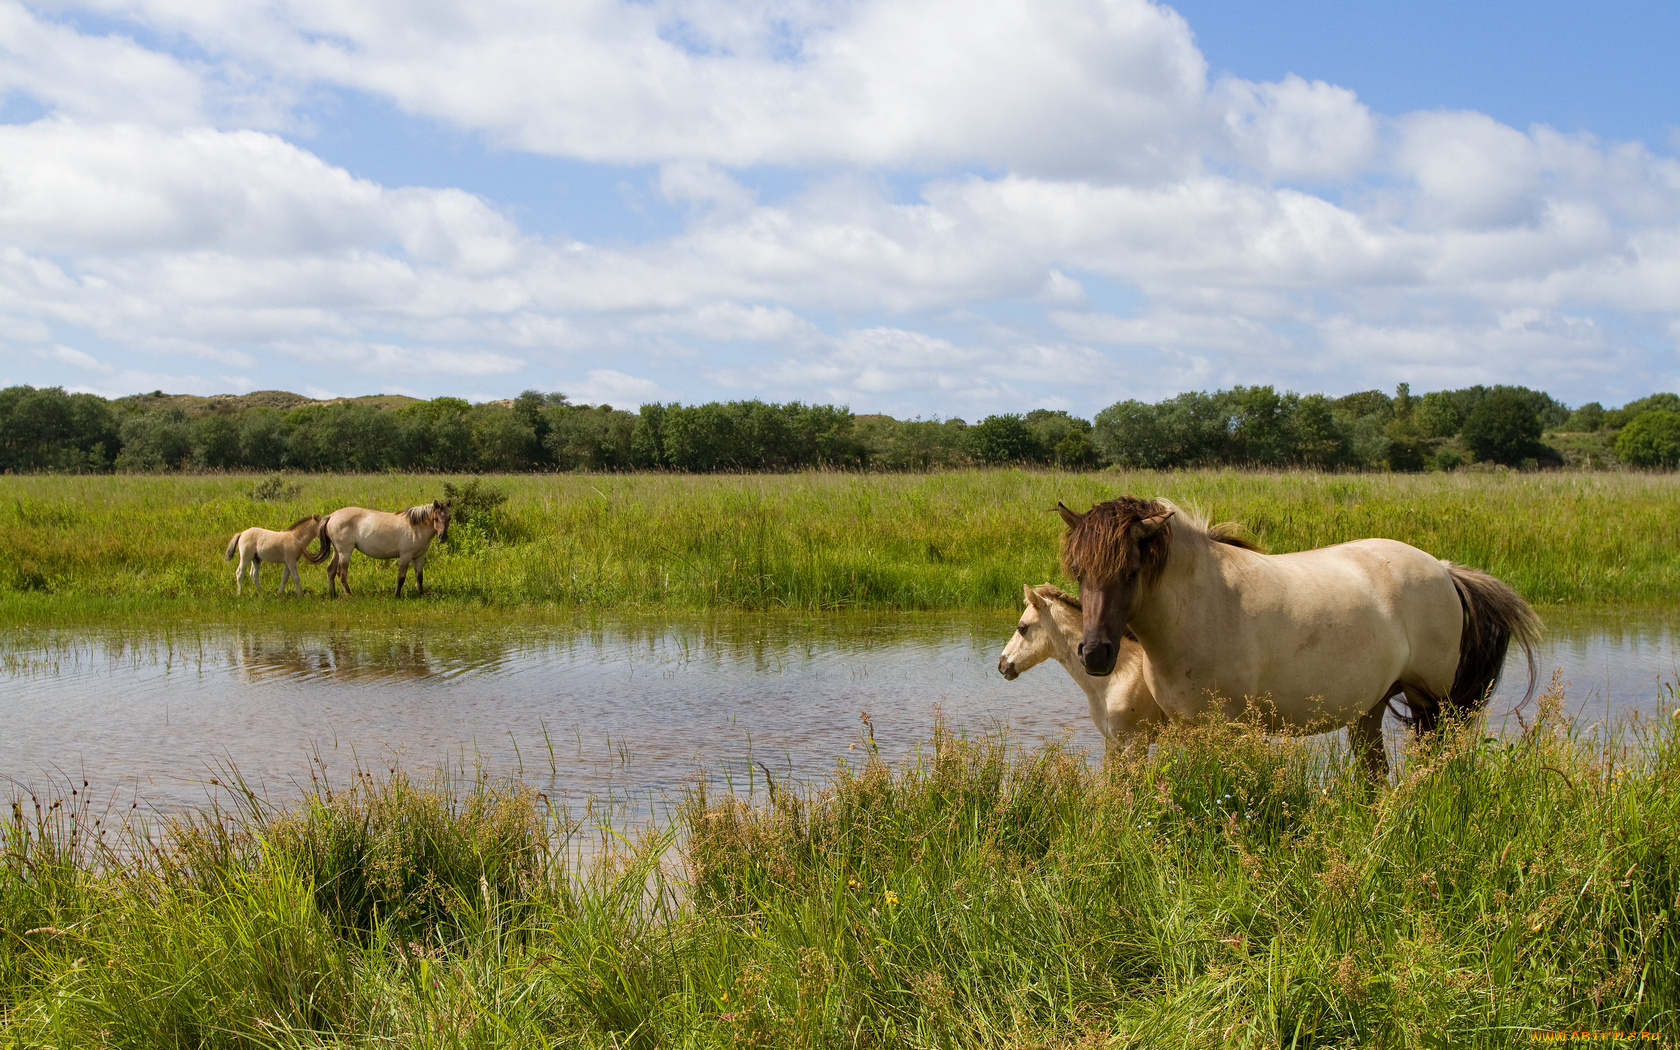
{"x":152,"y":545}
{"x":1223,"y":891}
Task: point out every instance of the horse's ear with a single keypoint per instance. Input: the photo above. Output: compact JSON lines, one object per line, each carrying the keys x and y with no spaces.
{"x":1036,"y":598}
{"x":1149,"y":526}
{"x":1069,"y":516}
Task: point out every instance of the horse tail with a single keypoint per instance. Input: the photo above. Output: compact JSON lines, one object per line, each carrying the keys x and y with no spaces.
{"x":325,"y":549}
{"x":233,"y":547}
{"x":1494,"y":616}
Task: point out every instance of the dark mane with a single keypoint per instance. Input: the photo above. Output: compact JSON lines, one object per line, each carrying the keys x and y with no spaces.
{"x":302,"y":521}
{"x":418,"y":514}
{"x":1103,"y":548}
{"x":1227,"y":532}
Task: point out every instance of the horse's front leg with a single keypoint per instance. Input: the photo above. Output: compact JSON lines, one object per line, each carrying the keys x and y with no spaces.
{"x":420,"y":575}
{"x":402,"y":575}
{"x":291,"y":572}
{"x":1366,"y":741}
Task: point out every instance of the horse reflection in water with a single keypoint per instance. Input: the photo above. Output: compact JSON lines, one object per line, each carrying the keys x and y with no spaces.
{"x":405,"y":535}
{"x":1309,"y":641}
{"x":339,"y":655}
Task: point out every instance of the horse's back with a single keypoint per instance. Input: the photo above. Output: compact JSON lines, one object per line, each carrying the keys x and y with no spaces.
{"x":1360,"y":572}
{"x":376,"y":533}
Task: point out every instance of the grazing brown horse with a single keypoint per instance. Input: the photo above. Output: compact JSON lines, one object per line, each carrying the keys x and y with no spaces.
{"x":1309,"y":641}
{"x":255,"y":546}
{"x":380,"y":534}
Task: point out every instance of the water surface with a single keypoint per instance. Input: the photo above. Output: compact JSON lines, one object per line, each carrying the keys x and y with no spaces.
{"x":612,"y":709}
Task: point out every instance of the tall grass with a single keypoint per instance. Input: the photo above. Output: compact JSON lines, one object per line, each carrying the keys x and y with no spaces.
{"x":810,"y":541}
{"x":1221,"y":890}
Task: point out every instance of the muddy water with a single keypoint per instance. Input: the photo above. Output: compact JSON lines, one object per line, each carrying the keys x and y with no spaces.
{"x":625,"y":711}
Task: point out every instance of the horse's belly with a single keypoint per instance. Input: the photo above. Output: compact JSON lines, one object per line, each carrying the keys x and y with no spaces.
{"x":1295,"y":676}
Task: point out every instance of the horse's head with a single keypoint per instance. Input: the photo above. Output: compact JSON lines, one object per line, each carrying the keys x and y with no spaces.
{"x":439,"y":518}
{"x":1029,"y":646}
{"x":1042,"y":632}
{"x":1111,"y":550}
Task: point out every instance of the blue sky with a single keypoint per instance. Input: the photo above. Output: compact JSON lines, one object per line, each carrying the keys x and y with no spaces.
{"x":914,"y":206}
{"x":1608,"y":68}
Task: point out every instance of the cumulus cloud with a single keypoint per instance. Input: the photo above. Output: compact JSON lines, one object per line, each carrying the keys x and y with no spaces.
{"x":610,"y":386}
{"x":1111,"y":86}
{"x":1071,"y":153}
{"x":1296,"y":129}
{"x":92,"y":77}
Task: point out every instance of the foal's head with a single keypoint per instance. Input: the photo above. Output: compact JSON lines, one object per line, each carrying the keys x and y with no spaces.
{"x":1040,"y":634}
{"x":1111,"y":550}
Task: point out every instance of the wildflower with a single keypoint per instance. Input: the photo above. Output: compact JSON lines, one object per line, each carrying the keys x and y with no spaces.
{"x":892,"y":898}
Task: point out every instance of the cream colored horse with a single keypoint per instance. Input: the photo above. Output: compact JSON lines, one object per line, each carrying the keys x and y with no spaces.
{"x":1121,"y":703}
{"x":255,"y":546}
{"x":380,"y":534}
{"x":1308,"y":642}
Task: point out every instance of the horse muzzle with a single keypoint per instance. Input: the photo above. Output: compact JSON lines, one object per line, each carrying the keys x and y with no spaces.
{"x":1099,"y":658}
{"x":1006,"y":667}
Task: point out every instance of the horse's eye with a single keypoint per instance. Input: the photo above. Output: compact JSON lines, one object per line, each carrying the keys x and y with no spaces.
{"x":1021,"y":629}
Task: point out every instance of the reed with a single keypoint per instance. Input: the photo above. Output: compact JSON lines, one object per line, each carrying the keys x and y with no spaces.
{"x":1220,"y":890}
{"x":151,"y":545}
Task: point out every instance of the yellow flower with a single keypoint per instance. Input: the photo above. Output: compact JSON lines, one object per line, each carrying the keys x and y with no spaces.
{"x":892,"y":898}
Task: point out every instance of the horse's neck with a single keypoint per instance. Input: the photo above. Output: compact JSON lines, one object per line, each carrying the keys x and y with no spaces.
{"x":1062,"y":650}
{"x":1095,"y":688}
{"x":1164,"y":613}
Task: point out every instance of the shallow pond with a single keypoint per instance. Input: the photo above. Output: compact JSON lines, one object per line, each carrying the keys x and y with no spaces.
{"x":624,"y":711}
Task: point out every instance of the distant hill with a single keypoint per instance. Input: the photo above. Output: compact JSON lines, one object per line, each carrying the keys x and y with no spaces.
{"x":195,"y":405}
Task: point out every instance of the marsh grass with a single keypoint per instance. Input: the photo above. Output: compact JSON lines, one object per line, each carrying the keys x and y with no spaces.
{"x":143,"y":546}
{"x":1219,"y":889}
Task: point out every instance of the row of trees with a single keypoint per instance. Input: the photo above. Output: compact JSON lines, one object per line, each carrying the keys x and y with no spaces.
{"x":1257,"y":426}
{"x":50,"y":430}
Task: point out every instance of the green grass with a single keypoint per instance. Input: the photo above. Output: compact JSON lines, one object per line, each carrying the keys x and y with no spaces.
{"x":147,"y":546}
{"x":1225,"y":891}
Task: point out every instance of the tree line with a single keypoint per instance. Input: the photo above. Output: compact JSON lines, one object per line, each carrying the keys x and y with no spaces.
{"x":48,"y":429}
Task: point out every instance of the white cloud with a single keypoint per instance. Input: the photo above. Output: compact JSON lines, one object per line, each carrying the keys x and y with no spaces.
{"x":1296,"y":129}
{"x":610,"y":386}
{"x":1263,"y":231}
{"x":99,"y":78}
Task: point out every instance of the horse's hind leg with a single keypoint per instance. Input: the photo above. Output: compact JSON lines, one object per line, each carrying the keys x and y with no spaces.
{"x":338,"y":569}
{"x":1366,"y":741}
